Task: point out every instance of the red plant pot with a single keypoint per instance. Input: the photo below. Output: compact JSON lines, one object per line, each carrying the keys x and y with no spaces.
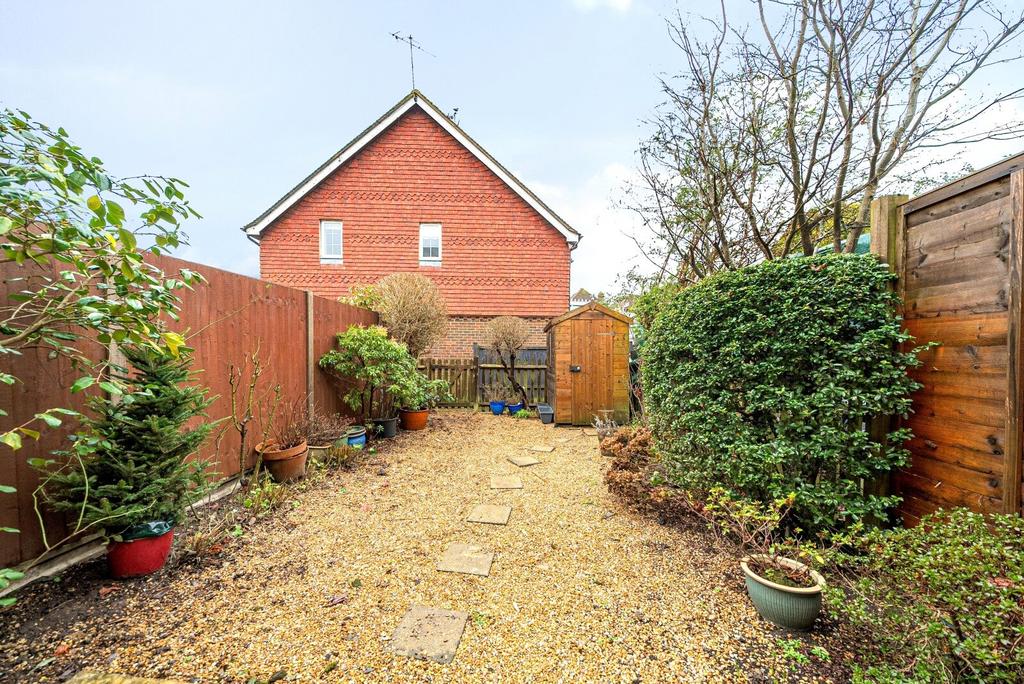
{"x":140,"y":556}
{"x":413,"y":420}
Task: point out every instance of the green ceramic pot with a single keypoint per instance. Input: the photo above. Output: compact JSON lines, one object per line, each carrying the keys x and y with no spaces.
{"x":790,"y":607}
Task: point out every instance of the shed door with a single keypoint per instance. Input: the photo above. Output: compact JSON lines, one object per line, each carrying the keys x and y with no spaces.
{"x":592,"y":354}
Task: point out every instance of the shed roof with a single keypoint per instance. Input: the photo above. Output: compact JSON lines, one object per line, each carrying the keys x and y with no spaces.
{"x":591,"y":306}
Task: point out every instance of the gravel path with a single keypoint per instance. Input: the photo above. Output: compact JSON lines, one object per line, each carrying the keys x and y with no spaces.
{"x":580,"y":588}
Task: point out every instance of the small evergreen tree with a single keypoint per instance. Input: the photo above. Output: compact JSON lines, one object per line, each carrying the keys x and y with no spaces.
{"x":128,"y":464}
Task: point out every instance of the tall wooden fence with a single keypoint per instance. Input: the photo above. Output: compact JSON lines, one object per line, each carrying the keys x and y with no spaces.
{"x":226,"y":321}
{"x":959,"y":254}
{"x":468,"y":378}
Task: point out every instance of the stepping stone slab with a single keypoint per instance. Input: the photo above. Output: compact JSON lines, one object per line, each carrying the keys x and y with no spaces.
{"x":523,"y":461}
{"x":429,"y":633}
{"x":467,"y":559}
{"x":542,"y":449}
{"x":490,"y":514}
{"x":506,"y":482}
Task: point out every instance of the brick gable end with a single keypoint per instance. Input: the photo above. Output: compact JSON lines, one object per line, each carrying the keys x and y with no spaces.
{"x":500,"y":257}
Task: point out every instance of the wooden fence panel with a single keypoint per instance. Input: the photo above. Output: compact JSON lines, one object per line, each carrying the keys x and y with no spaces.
{"x":226,"y":321}
{"x":460,"y":374}
{"x":531,"y":371}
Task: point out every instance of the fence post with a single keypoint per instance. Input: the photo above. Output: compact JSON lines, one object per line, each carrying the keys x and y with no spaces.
{"x":310,"y":361}
{"x":888,"y":243}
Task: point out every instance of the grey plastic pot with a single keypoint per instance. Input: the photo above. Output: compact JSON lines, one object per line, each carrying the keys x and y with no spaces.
{"x":790,"y":607}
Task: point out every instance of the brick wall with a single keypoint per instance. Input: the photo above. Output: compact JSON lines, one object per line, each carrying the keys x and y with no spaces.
{"x":499,"y":257}
{"x":465,"y":331}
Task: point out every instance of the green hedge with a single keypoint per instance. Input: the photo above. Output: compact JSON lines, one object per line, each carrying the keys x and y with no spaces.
{"x":763,"y":380}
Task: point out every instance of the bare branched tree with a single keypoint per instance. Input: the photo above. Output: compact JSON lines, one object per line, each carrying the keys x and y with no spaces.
{"x":777,"y":140}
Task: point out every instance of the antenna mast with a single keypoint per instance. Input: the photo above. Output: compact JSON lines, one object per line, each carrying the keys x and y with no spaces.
{"x":413,"y":45}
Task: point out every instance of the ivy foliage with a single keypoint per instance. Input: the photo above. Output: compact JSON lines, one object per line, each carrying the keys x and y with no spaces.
{"x":763,"y":381}
{"x":130,"y":462}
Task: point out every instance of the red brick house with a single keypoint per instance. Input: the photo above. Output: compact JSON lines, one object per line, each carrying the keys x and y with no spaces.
{"x":413,"y":192}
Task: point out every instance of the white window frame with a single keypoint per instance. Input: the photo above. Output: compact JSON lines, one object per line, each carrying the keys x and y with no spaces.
{"x":330,"y":224}
{"x":430,"y":230}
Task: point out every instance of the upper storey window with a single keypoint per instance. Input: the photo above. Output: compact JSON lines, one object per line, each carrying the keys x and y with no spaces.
{"x":430,"y":244}
{"x":330,"y":242}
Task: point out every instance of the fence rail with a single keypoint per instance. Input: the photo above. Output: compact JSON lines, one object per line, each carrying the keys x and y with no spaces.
{"x":468,"y":378}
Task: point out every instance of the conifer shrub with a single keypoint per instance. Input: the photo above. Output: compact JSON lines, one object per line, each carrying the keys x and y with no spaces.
{"x":129,"y":463}
{"x":762,"y":381}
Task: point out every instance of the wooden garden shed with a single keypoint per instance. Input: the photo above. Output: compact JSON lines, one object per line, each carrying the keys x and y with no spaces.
{"x":588,"y":364}
{"x":959,"y":254}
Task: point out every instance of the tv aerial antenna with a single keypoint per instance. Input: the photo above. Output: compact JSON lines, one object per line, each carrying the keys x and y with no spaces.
{"x":414,"y":45}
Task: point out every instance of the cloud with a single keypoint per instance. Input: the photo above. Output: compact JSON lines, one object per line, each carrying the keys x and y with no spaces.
{"x":590,"y":5}
{"x":606,"y":250}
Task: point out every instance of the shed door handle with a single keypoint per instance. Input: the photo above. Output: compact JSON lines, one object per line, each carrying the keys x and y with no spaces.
{"x":574,"y":369}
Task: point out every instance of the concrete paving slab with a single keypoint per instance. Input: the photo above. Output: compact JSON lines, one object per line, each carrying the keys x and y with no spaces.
{"x":429,"y":634}
{"x":490,"y":514}
{"x":541,"y":449}
{"x":467,"y":559}
{"x":523,"y":461}
{"x":506,"y":482}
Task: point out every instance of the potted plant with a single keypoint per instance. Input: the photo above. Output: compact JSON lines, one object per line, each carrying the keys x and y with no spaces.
{"x":325,"y":432}
{"x":128,"y":473}
{"x":514,"y":403}
{"x":418,"y":396}
{"x":384,"y":418}
{"x":371,"y":369}
{"x":285,"y":454}
{"x":494,"y":395}
{"x":784,"y":591}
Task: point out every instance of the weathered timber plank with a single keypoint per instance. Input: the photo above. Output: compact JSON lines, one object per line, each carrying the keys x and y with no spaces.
{"x":1012,"y":465}
{"x":965,"y":192}
{"x":986,"y":484}
{"x":976,"y":411}
{"x":987,"y":329}
{"x":985,"y":295}
{"x":987,"y":462}
{"x":957,"y":433}
{"x":964,"y":359}
{"x":963,"y":384}
{"x":944,"y":494}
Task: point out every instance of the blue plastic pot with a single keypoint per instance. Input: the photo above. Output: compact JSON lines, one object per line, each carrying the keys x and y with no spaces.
{"x":497,"y":407}
{"x":513,"y":408}
{"x":356,"y":436}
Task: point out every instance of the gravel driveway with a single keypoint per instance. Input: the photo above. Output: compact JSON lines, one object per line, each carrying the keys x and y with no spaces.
{"x":580,"y":589}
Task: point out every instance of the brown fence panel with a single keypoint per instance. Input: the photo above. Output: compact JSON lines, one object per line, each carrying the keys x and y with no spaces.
{"x":226,"y":321}
{"x":531,"y":371}
{"x":460,"y":374}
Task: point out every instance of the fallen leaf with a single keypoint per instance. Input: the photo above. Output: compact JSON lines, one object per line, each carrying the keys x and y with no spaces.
{"x":337,"y":600}
{"x":62,"y":650}
{"x":109,"y":589}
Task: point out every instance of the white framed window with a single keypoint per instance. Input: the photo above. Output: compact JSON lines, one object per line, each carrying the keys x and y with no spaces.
{"x":330,"y":242}
{"x":430,"y":244}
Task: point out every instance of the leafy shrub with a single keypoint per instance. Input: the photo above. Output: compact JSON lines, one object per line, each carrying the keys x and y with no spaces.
{"x":128,"y":464}
{"x":762,"y":381}
{"x":944,"y":600}
{"x":410,"y":306}
{"x":416,"y":392}
{"x":374,"y":370}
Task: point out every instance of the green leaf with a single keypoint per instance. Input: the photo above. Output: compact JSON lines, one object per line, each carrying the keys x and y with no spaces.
{"x":82,"y":383}
{"x":52,"y":421}
{"x":111,"y":388}
{"x":6,"y":489}
{"x":5,"y":225}
{"x":33,"y":434}
{"x":11,"y":530}
{"x":11,"y":439}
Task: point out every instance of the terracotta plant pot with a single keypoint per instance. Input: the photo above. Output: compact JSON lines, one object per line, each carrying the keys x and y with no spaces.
{"x":413,"y":420}
{"x":284,"y":465}
{"x":139,"y":557}
{"x":791,"y":607}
